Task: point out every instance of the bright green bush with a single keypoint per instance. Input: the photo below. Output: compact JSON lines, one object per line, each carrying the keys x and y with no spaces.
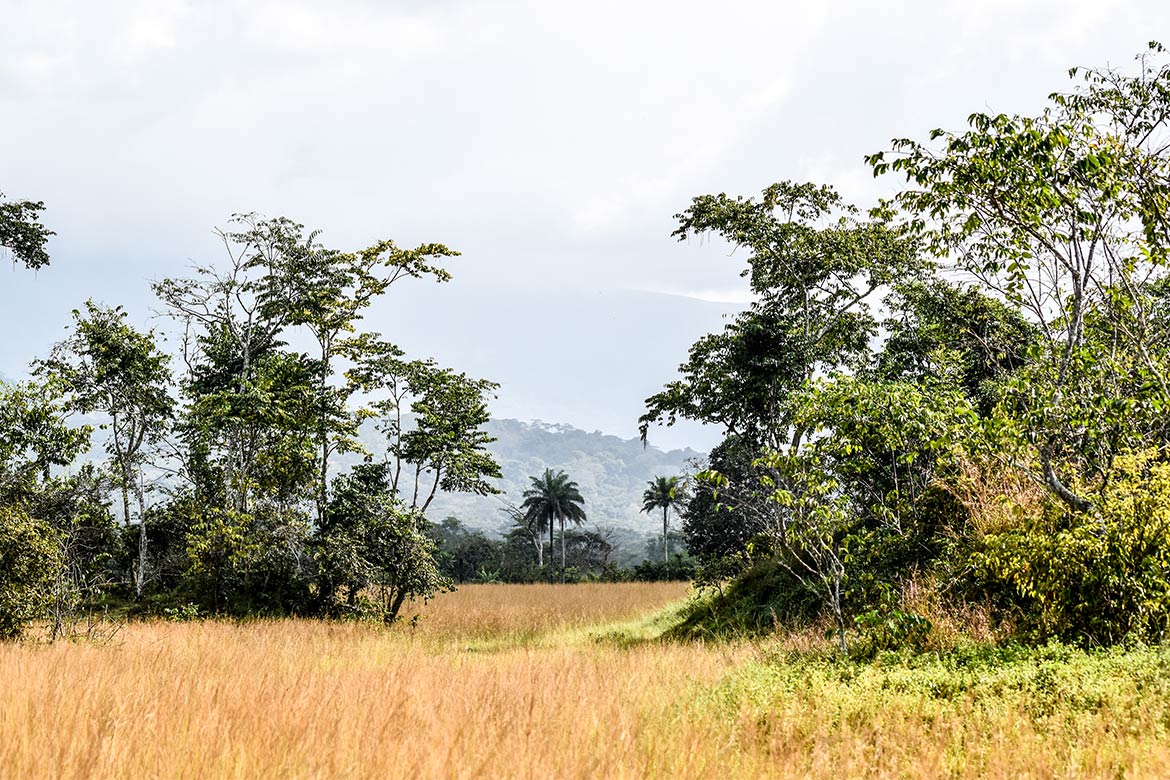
{"x":29,"y":565}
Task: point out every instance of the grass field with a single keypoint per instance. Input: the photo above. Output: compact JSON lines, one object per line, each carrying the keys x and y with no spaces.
{"x":561,"y":682}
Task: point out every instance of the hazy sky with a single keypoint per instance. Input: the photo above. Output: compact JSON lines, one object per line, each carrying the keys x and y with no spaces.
{"x":550,"y":142}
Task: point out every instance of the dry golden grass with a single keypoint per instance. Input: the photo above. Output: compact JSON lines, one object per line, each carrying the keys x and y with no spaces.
{"x":996,"y":498}
{"x":513,"y":681}
{"x":512,"y":613}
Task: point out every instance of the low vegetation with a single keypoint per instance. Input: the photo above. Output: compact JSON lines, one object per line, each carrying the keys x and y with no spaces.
{"x":544,"y":680}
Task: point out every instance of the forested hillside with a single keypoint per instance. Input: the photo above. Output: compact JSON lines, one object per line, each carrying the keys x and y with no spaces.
{"x":612,"y":473}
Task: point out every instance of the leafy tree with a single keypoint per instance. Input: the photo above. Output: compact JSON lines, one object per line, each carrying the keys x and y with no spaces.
{"x":34,"y":437}
{"x":1063,"y":215}
{"x":554,"y":498}
{"x":664,"y":493}
{"x":447,"y":444}
{"x":109,"y":367}
{"x":245,"y":397}
{"x":327,"y":292}
{"x":720,"y":522}
{"x":22,"y":233}
{"x":943,"y":332}
{"x":588,"y":552}
{"x":463,"y":555}
{"x":370,"y":539}
{"x":528,"y":525}
{"x":815,"y":267}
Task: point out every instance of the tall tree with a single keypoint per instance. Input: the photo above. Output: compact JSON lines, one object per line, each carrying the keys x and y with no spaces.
{"x":1064,"y":216}
{"x":554,"y":498}
{"x":664,"y":493}
{"x":816,"y":268}
{"x":22,"y":233}
{"x":109,"y":367}
{"x":446,"y":445}
{"x":327,"y":292}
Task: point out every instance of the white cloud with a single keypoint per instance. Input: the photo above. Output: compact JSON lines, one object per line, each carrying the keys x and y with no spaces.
{"x":549,"y":140}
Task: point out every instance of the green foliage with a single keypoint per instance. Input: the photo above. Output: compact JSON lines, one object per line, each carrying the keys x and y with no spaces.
{"x":34,"y":438}
{"x":940,"y":333}
{"x":889,"y":630}
{"x":1091,"y":579}
{"x":814,"y":265}
{"x":675,"y":569}
{"x":369,"y":540}
{"x":553,"y":498}
{"x":22,"y":233}
{"x":763,"y":598}
{"x":107,"y":366}
{"x":30,"y":565}
{"x":463,"y":555}
{"x":664,"y":493}
{"x":720,"y":520}
{"x":1062,"y":215}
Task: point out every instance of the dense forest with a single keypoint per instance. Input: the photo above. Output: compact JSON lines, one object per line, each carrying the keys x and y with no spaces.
{"x":947,"y":405}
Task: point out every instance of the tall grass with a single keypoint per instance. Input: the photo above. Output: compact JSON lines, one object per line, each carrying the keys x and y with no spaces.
{"x":525,"y":682}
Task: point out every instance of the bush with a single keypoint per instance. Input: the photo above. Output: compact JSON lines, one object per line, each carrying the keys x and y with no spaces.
{"x":29,"y":566}
{"x":1094,"y":578}
{"x":676,"y":569}
{"x":758,"y":601}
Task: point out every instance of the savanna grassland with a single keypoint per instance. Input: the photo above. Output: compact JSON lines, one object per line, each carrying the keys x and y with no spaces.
{"x":563,"y":681}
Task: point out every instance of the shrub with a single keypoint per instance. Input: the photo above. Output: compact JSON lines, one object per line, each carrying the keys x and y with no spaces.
{"x":29,"y":566}
{"x":1093,"y":578}
{"x":759,"y":600}
{"x":676,"y":569}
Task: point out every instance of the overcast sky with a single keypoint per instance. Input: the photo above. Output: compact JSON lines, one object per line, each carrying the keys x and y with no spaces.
{"x":550,"y":142}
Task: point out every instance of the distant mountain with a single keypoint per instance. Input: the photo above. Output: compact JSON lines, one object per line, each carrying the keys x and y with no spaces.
{"x":611,"y":471}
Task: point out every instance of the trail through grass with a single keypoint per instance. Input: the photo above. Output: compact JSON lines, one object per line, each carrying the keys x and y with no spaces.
{"x":562,"y":682}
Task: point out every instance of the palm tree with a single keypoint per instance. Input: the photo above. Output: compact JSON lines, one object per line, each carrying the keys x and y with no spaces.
{"x":554,"y":498}
{"x":664,"y":493}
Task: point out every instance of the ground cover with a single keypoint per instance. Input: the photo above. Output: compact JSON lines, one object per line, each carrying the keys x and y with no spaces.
{"x":563,"y":681}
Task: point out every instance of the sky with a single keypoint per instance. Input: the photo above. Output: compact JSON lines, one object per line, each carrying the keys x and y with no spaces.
{"x":550,"y":142}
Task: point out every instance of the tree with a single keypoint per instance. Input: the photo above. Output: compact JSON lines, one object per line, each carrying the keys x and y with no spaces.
{"x":246,"y":397}
{"x":815,"y":267}
{"x":464,"y":555}
{"x":370,"y":539}
{"x":109,"y":367}
{"x":554,"y":498}
{"x":39,"y":513}
{"x":1063,"y":216}
{"x":664,"y":493}
{"x":327,"y":292}
{"x":531,"y":525}
{"x":34,"y":437}
{"x":22,"y":233}
{"x":447,"y":443}
{"x":944,"y":332}
{"x":720,"y":522}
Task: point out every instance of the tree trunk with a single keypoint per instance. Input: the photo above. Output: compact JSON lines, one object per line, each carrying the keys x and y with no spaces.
{"x":140,"y":579}
{"x":562,"y":550}
{"x":396,"y":606}
{"x":323,"y":436}
{"x":539,"y":550}
{"x":665,"y":538}
{"x":552,"y":555}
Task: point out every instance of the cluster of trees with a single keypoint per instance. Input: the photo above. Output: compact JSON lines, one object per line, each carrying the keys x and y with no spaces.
{"x":552,"y":500}
{"x":965,"y":387}
{"x":220,"y":455}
